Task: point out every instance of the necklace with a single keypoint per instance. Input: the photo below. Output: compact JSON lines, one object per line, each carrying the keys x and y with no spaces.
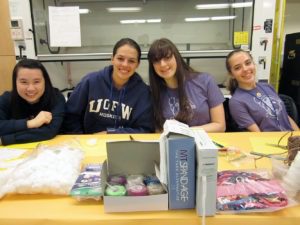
{"x":258,"y":94}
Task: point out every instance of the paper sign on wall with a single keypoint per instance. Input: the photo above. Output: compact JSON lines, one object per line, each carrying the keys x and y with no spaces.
{"x":241,"y":38}
{"x":64,"y":24}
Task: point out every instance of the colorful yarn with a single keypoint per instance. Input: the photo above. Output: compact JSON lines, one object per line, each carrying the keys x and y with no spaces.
{"x":135,"y":179}
{"x":151,"y":179}
{"x":155,"y":189}
{"x":137,"y":190}
{"x":117,"y":179}
{"x":115,"y":190}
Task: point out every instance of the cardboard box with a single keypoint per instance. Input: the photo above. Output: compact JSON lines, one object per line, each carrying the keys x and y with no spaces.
{"x":132,"y":157}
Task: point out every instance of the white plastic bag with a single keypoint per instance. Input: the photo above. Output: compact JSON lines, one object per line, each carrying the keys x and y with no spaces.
{"x":50,"y":169}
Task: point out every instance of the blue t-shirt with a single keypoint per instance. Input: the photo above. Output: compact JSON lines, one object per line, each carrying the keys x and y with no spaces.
{"x":260,"y":105}
{"x":202,"y":93}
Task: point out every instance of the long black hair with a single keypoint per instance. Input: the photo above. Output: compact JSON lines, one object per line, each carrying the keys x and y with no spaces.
{"x":164,"y":48}
{"x":47,"y":99}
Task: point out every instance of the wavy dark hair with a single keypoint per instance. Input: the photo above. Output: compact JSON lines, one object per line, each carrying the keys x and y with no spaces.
{"x":164,"y":48}
{"x":47,"y":99}
{"x":232,"y":83}
{"x":130,"y":42}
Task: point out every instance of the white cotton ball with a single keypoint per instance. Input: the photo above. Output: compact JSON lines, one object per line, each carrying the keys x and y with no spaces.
{"x":53,"y":170}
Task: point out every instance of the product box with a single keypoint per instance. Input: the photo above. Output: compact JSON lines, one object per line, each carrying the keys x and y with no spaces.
{"x":132,"y":157}
{"x":180,"y":164}
{"x":181,"y":171}
{"x":207,"y":167}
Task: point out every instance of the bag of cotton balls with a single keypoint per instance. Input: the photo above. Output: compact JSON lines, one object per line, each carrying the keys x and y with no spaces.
{"x":49,"y":170}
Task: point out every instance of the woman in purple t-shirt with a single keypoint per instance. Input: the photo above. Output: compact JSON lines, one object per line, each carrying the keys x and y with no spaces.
{"x":181,"y":93}
{"x":254,"y":106}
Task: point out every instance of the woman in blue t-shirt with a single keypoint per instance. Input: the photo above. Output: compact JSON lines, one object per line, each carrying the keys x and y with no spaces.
{"x":254,"y":106}
{"x":181,"y":93}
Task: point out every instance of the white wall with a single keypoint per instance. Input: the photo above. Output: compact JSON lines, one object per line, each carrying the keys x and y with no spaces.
{"x":21,"y":10}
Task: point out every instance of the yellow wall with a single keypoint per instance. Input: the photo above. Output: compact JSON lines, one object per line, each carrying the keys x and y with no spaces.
{"x":277,"y":43}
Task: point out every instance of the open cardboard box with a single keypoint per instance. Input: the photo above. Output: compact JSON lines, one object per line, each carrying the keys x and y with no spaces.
{"x":132,"y":157}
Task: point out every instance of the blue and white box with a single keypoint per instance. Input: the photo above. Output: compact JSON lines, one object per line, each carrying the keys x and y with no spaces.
{"x":181,"y":171}
{"x":178,"y":148}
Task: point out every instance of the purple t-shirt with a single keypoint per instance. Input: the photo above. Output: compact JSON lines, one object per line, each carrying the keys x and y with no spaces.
{"x":202,"y":93}
{"x":260,"y":105}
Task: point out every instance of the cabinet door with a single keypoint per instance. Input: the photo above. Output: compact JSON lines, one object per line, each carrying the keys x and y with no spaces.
{"x":6,"y":44}
{"x":7,"y":53}
{"x":6,"y":72}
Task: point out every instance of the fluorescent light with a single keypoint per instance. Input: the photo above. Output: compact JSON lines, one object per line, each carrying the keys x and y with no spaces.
{"x":124,"y":9}
{"x":84,"y":11}
{"x":224,"y":6}
{"x":241,"y":5}
{"x":197,"y":19}
{"x":223,"y":17}
{"x":153,"y":20}
{"x":132,"y":21}
{"x":212,"y":6}
{"x":140,"y":21}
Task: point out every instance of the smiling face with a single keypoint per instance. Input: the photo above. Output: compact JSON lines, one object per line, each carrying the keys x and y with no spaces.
{"x":124,"y":62}
{"x":166,"y":67}
{"x":243,"y":69}
{"x":30,"y":84}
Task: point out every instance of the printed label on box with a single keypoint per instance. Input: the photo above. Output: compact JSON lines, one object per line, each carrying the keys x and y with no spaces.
{"x":181,"y":171}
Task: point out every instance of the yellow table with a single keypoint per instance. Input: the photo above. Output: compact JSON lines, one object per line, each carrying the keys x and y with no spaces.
{"x":56,"y":210}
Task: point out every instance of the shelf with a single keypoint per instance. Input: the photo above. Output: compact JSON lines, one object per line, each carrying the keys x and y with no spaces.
{"x":107,"y":56}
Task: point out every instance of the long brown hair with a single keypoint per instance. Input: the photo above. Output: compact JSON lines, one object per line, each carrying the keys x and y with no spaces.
{"x":164,"y":48}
